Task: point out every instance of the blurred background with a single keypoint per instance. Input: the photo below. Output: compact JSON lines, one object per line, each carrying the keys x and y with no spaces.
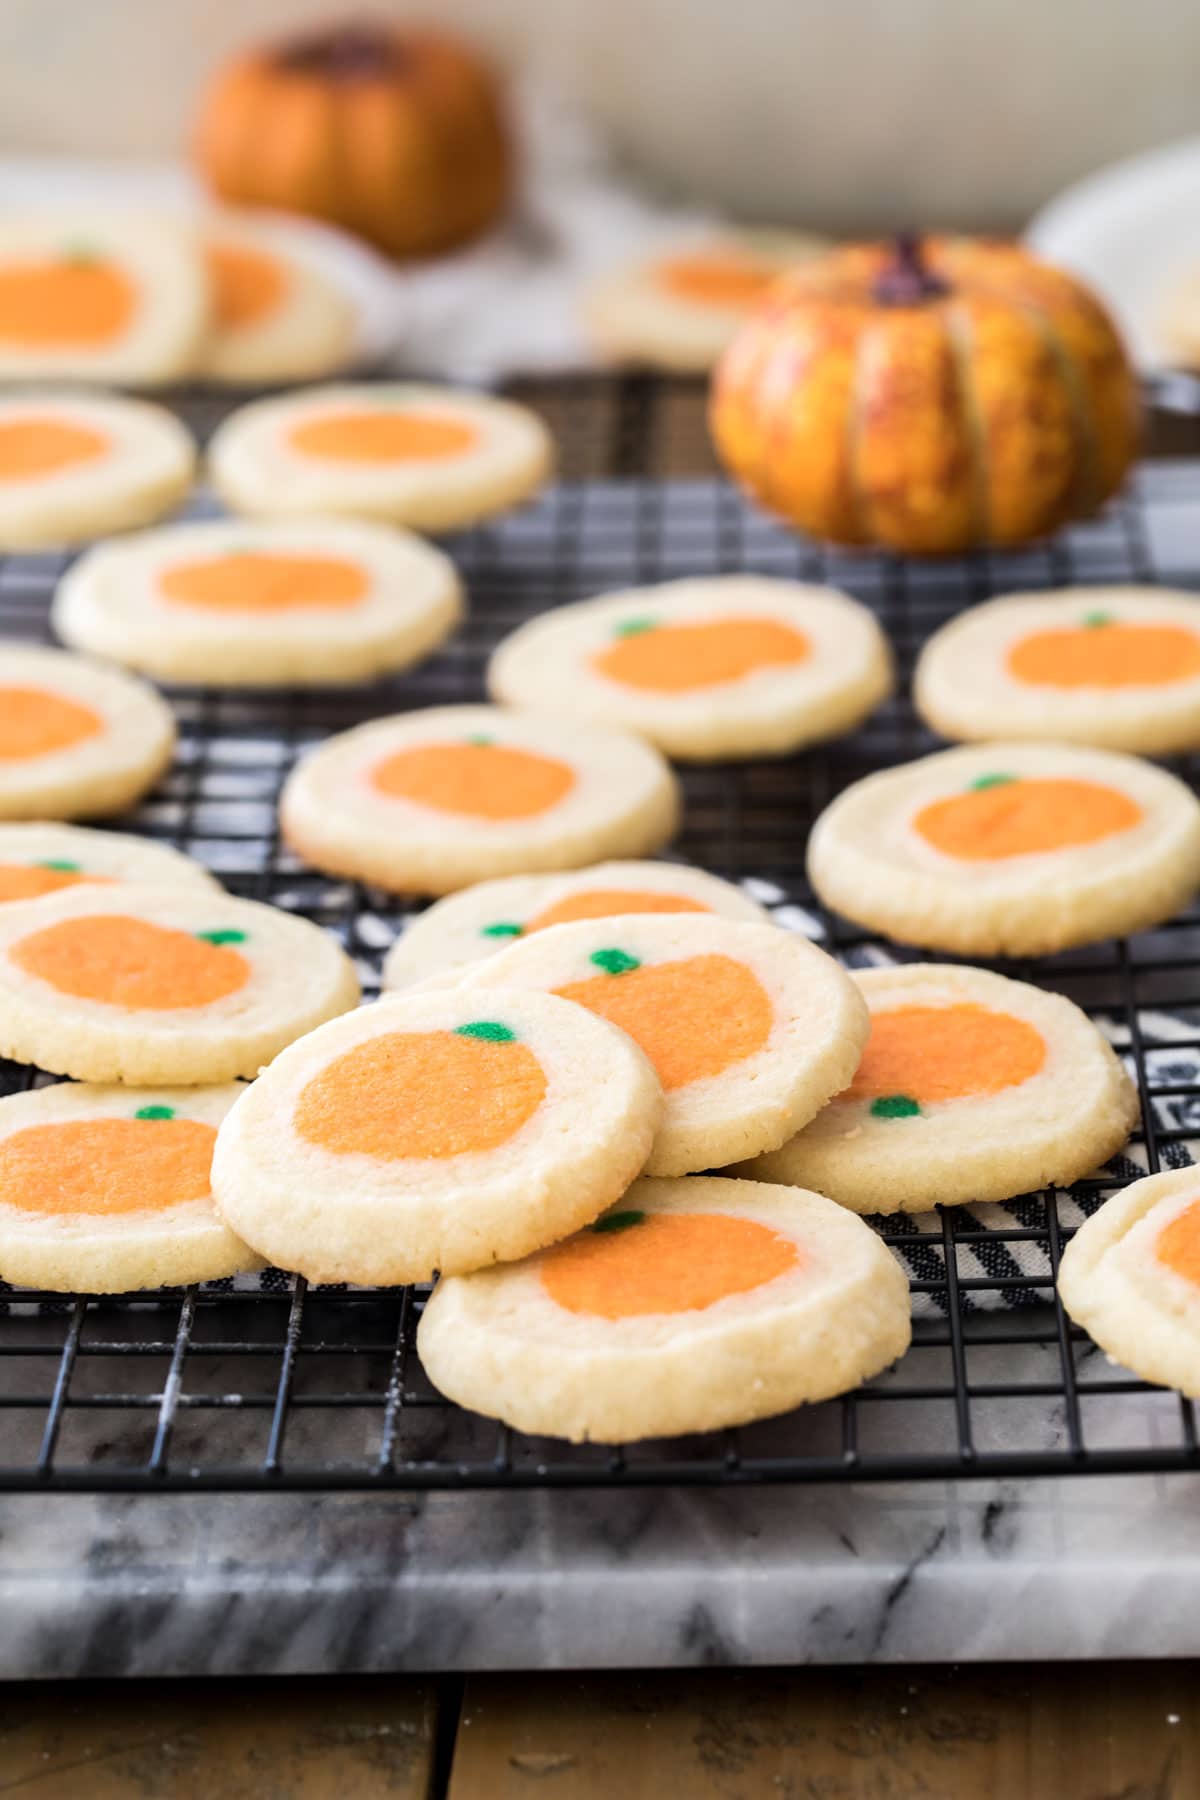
{"x":852,"y":116}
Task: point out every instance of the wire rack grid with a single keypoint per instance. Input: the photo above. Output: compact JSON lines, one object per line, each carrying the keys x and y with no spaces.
{"x":261,"y":1384}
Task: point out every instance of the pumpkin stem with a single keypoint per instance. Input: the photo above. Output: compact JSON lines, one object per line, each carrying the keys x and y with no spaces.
{"x":343,"y":52}
{"x":907,"y":280}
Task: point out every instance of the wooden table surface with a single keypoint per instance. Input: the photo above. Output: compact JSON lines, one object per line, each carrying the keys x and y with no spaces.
{"x":1105,"y":1731}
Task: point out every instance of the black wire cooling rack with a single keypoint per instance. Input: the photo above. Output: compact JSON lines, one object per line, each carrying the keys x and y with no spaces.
{"x":270,"y":1384}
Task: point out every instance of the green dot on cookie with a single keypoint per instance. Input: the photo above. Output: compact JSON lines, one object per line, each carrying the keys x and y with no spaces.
{"x":618,"y":1221}
{"x":895,"y":1106}
{"x":990,"y":781}
{"x":634,"y":627}
{"x":155,"y":1112}
{"x":227,"y":935}
{"x":61,"y":865}
{"x":503,"y":928}
{"x":490,"y":1030}
{"x":614,"y":962}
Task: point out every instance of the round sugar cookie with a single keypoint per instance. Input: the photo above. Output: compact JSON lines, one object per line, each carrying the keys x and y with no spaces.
{"x":103,"y":1189}
{"x":74,"y":465}
{"x":41,"y":859}
{"x":1131,"y":1277}
{"x":282,"y":602}
{"x":431,"y":801}
{"x":442,"y":1131}
{"x":117,"y":297}
{"x":431,"y":458}
{"x":1114,"y":666}
{"x":691,"y":1305}
{"x":679,"y":309}
{"x":708,"y":669}
{"x":471,"y":925}
{"x":750,"y":1028}
{"x":971,"y":1087}
{"x":1009,"y":849}
{"x":273,"y":316}
{"x":161,"y":984}
{"x":77,"y":739}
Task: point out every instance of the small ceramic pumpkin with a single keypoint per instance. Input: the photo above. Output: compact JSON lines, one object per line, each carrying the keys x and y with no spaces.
{"x":396,"y":135}
{"x":927,"y":396}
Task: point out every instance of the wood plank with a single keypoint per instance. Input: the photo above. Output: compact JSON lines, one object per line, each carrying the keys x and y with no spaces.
{"x":1049,"y":1732}
{"x":299,"y":1739}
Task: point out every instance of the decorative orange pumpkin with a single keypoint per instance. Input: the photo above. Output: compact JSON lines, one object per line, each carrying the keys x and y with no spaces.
{"x":396,"y":135}
{"x":928,"y":396}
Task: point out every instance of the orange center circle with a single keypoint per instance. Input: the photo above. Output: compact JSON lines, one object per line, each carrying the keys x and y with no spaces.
{"x":106,"y":1166}
{"x":128,"y":962}
{"x":609,"y":903}
{"x":665,"y":1263}
{"x":421,"y":1094}
{"x":64,"y":303}
{"x":715,"y":279}
{"x":22,"y":881}
{"x":1025,"y":818}
{"x":1178,"y":1245}
{"x":383,"y":437}
{"x":674,"y":659}
{"x":946,"y":1052}
{"x":247,"y":285}
{"x":1115,"y":655}
{"x":35,"y":722}
{"x":249,"y":581}
{"x":481,"y":781}
{"x":31,"y":448}
{"x":693,"y":1018}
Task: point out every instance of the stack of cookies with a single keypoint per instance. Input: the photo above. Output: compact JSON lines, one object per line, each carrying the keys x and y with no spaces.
{"x":573,"y":1038}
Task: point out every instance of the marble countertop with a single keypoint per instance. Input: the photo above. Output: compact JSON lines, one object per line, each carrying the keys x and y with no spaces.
{"x":222,"y":1585}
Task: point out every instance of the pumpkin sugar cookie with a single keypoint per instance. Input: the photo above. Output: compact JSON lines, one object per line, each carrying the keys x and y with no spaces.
{"x":41,"y":859}
{"x":707,"y":669}
{"x":750,"y":1028}
{"x":74,"y":465}
{"x":679,"y":309}
{"x":103,"y":1189}
{"x":119,"y":298}
{"x":1114,"y":666}
{"x":431,"y":458}
{"x":440,"y":1131}
{"x":165,"y":984}
{"x":971,"y":1087}
{"x":1009,"y":849}
{"x":468,"y":926}
{"x":1131,"y":1277}
{"x":274,"y":317}
{"x":690,"y":1306}
{"x":77,"y":739}
{"x":287,"y":602}
{"x":431,"y":801}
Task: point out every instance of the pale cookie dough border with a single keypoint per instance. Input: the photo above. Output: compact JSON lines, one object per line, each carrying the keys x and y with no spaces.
{"x":146,"y":471}
{"x":97,"y":775}
{"x":347,"y":1217}
{"x":1066,"y":1120}
{"x":632,"y":318}
{"x":255,"y":471}
{"x":962,"y":686}
{"x":496,"y":1344}
{"x":1141,"y":1313}
{"x":449,"y":932}
{"x":91,"y":1253}
{"x":109,"y":603}
{"x":310,"y":336}
{"x":546,"y":664}
{"x":816,"y":1039}
{"x":625,"y":802}
{"x":865,"y":863}
{"x":112,"y":855}
{"x":300,"y":976}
